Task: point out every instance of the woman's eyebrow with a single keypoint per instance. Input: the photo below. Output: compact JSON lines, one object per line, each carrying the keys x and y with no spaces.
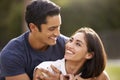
{"x":79,"y":41}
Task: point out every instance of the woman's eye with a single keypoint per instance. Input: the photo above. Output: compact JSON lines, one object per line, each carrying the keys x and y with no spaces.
{"x":70,"y":40}
{"x":78,"y":44}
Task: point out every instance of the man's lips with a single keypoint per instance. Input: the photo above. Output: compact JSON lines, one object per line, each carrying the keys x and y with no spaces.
{"x":53,"y":38}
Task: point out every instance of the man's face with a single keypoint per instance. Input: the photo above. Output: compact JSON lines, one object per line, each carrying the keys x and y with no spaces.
{"x":49,"y":31}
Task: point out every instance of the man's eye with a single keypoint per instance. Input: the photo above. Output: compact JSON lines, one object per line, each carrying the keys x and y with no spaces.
{"x":52,"y":29}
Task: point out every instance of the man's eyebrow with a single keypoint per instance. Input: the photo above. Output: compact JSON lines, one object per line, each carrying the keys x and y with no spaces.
{"x":54,"y":26}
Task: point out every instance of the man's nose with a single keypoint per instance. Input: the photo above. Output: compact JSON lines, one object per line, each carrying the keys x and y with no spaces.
{"x":57,"y":32}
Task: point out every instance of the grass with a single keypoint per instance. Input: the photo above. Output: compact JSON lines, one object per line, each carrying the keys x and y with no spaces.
{"x":113,"y":70}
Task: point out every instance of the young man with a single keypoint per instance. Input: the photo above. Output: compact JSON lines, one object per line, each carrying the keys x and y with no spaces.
{"x":43,"y":42}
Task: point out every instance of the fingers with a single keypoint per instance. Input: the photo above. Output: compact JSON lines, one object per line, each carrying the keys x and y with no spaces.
{"x":61,"y":77}
{"x":67,"y":77}
{"x":55,"y":70}
{"x":40,"y":74}
{"x":36,"y":74}
{"x":71,"y":76}
{"x":78,"y":77}
{"x":44,"y":72}
{"x":38,"y":77}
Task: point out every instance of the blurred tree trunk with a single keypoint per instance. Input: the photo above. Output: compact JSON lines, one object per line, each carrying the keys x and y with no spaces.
{"x":24,"y":27}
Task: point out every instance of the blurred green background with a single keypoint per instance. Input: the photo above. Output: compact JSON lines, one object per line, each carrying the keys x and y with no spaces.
{"x":101,"y":15}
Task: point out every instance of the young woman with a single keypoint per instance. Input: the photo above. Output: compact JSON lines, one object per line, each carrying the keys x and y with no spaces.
{"x":84,"y":57}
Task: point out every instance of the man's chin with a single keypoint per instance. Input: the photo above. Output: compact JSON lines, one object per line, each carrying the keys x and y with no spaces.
{"x":53,"y":43}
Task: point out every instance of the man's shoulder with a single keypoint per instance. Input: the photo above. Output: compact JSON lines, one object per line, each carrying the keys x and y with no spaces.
{"x":62,"y":38}
{"x":61,"y":41}
{"x":18,"y":40}
{"x":11,"y":55}
{"x":14,"y":45}
{"x":22,"y":37}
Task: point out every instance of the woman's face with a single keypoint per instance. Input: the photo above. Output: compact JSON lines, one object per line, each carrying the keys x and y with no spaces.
{"x":76,"y":48}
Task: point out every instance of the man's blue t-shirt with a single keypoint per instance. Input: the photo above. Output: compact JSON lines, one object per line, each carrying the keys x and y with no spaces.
{"x":17,"y":57}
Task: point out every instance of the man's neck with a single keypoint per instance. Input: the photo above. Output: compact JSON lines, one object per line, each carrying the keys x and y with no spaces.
{"x":36,"y":45}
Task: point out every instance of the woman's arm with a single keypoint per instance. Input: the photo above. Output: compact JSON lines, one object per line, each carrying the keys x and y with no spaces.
{"x":42,"y":74}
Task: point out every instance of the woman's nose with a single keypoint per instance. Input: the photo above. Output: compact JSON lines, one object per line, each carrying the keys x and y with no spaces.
{"x":69,"y":45}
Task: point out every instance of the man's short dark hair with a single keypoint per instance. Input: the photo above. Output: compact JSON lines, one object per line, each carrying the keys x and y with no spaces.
{"x":38,"y":10}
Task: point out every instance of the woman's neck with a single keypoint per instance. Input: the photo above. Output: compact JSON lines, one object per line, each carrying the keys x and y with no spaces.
{"x":73,"y":67}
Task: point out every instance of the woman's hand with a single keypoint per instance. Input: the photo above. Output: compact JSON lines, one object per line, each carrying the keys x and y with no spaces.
{"x":42,"y":74}
{"x":67,"y":77}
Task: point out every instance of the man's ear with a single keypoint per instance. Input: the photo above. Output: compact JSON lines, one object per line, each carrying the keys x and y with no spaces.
{"x":33,"y":27}
{"x":89,"y":55}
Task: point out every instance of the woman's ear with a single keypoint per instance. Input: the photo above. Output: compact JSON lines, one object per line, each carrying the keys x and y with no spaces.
{"x":89,"y":55}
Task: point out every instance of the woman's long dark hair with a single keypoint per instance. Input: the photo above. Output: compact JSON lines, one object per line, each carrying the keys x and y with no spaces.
{"x":94,"y":66}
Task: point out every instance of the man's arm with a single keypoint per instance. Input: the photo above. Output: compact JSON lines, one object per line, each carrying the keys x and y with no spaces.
{"x":18,"y":77}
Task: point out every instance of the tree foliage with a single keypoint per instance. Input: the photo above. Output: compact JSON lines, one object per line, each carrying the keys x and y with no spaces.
{"x":11,"y":20}
{"x":101,"y":15}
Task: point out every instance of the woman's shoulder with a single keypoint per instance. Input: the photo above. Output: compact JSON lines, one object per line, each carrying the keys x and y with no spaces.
{"x":104,"y":76}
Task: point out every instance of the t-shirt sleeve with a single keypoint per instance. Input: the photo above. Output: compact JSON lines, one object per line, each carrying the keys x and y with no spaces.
{"x":11,"y":62}
{"x":65,"y":38}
